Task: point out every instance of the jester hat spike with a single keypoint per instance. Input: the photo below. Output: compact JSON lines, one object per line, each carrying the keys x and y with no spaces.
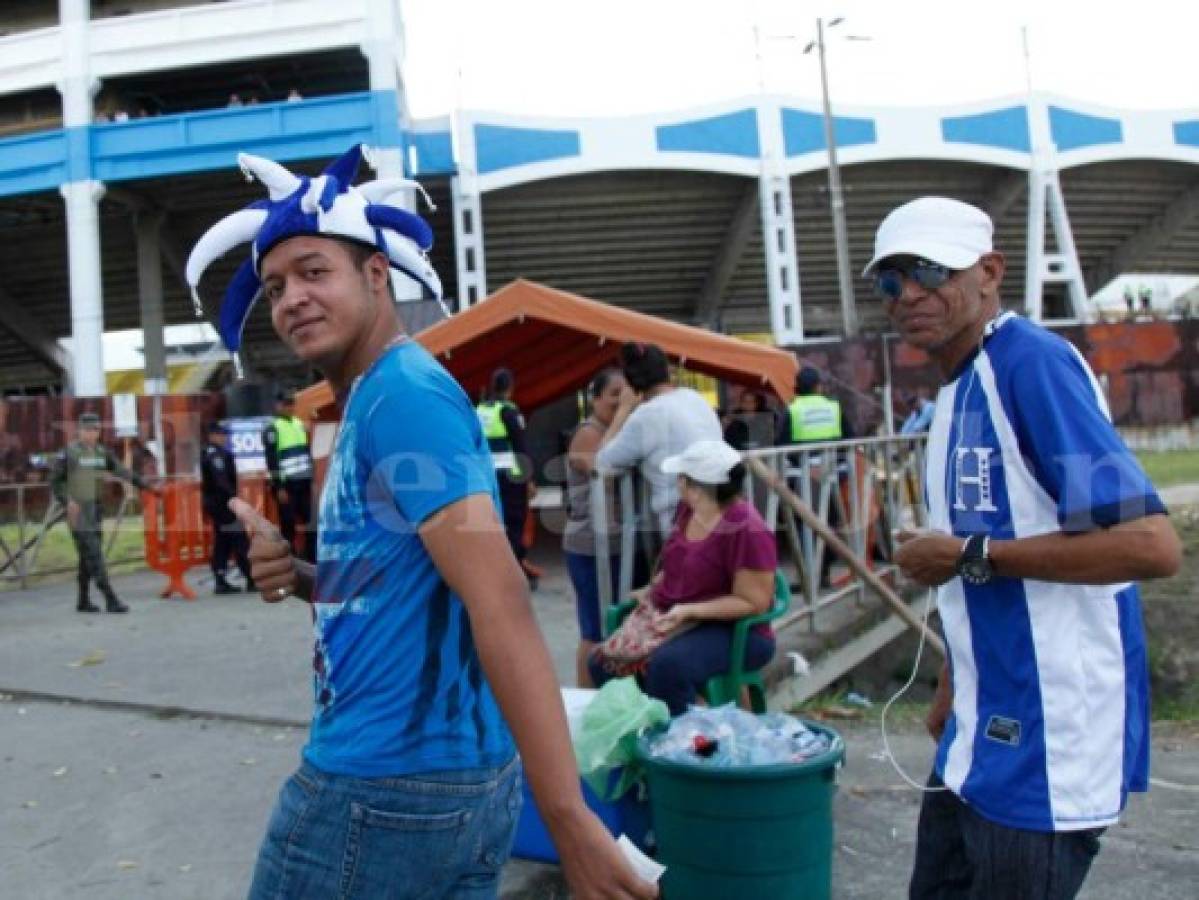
{"x":325,"y":206}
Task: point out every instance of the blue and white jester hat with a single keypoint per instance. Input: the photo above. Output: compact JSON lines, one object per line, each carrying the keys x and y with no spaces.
{"x":325,"y":206}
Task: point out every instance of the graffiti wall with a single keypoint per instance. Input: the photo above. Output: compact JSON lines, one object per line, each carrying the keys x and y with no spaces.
{"x":1150,"y":371}
{"x":34,"y":429}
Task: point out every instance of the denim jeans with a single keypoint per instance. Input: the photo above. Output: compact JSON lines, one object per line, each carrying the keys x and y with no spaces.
{"x":962,"y":856}
{"x":432,"y":836}
{"x":585,"y":580}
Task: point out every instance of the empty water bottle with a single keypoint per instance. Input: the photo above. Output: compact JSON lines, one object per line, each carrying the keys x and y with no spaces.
{"x":728,"y":736}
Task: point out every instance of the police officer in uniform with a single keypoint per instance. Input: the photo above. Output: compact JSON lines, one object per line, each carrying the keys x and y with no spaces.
{"x":504,"y":428}
{"x":218,"y":482}
{"x":289,"y":463}
{"x":813,"y":418}
{"x":78,"y":474}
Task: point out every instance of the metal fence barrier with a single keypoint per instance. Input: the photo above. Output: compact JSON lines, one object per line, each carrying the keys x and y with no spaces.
{"x":33,"y":511}
{"x":867,"y":489}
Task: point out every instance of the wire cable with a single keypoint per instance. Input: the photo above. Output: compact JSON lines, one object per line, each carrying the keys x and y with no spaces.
{"x":924,"y":789}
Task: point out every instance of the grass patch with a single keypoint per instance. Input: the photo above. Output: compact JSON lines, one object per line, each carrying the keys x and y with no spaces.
{"x":1177,"y":709}
{"x":1168,"y":467}
{"x":56,"y":559}
{"x":835,"y":706}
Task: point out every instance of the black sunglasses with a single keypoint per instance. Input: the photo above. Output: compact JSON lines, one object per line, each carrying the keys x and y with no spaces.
{"x":890,"y":275}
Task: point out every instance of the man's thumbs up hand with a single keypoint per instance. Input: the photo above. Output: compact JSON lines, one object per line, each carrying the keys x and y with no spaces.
{"x":271,"y":564}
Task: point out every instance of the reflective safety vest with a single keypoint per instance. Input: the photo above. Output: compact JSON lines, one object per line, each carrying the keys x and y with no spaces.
{"x":292,"y":448}
{"x":492,"y":419}
{"x":815,"y":417}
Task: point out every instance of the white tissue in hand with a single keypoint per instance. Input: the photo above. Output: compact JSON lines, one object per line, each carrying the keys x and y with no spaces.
{"x":645,"y":867}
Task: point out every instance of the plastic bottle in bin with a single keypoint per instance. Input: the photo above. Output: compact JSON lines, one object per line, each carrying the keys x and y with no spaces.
{"x":727,"y":736}
{"x":703,"y":746}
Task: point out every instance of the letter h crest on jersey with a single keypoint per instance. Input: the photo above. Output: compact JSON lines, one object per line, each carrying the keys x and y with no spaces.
{"x":972,"y":479}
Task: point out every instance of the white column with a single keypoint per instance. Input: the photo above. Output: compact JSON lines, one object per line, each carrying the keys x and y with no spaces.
{"x":1043,"y":267}
{"x":384,"y":45}
{"x":468,"y":217}
{"x":77,"y":87}
{"x":1034,"y":251}
{"x":778,"y":230}
{"x":384,"y":49}
{"x":149,"y":289}
{"x":82,"y":195}
{"x":87,"y":298}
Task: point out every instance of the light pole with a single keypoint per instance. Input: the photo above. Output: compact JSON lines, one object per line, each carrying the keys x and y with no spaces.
{"x":849,"y":309}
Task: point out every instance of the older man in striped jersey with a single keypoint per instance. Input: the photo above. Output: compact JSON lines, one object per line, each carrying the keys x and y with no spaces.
{"x":1042,"y":521}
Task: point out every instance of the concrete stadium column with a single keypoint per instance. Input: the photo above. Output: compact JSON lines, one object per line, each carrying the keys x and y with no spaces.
{"x":383,"y":48}
{"x":149,"y":291}
{"x":383,"y":44}
{"x":1042,"y":266}
{"x":778,"y":231}
{"x":77,"y":86}
{"x":86,"y":293}
{"x":87,"y":297}
{"x":468,"y":218}
{"x":82,"y":195}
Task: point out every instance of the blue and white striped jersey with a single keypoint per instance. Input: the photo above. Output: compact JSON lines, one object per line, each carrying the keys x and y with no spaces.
{"x":1050,"y":722}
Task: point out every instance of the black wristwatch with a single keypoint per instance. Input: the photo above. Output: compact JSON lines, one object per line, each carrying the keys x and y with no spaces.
{"x":974,"y":565}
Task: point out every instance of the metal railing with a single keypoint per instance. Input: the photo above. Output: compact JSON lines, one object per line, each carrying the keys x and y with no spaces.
{"x":867,"y":488}
{"x":34,"y":513}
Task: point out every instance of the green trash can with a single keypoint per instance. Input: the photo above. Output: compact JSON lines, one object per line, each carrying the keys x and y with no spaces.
{"x":745,"y":832}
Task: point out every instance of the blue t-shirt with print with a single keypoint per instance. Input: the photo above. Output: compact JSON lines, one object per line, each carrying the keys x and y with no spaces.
{"x":398,"y":685}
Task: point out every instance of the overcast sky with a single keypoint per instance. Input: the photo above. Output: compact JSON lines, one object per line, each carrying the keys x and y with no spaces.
{"x":583,"y":57}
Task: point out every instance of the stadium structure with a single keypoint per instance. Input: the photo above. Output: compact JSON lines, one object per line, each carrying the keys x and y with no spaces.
{"x":120,"y":121}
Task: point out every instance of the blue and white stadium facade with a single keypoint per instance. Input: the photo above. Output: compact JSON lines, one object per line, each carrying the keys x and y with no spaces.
{"x":716,"y":215}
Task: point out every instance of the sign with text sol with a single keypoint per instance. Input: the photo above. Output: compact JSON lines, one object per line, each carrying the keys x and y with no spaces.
{"x":245,"y":442}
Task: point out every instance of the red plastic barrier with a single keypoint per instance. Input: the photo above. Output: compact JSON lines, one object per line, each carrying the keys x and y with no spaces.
{"x":178,"y":535}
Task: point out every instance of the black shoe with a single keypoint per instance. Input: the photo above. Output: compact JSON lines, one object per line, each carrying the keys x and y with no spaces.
{"x":87,"y":607}
{"x":224,"y":587}
{"x":115,"y":606}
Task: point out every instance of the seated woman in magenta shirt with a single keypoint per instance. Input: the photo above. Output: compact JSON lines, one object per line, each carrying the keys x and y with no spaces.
{"x":717,"y":567}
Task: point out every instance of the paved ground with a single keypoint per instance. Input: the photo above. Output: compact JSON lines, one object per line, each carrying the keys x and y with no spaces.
{"x":122,"y":791}
{"x":1180,"y":495}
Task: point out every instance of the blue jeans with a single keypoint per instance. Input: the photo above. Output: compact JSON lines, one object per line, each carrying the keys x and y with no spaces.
{"x":435,"y":835}
{"x":584,"y":578}
{"x":962,"y":856}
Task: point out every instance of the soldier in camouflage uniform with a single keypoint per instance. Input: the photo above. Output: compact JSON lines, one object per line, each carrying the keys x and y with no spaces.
{"x":78,"y":474}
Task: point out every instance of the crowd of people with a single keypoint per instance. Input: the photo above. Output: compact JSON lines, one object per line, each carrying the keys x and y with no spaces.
{"x":122,"y":110}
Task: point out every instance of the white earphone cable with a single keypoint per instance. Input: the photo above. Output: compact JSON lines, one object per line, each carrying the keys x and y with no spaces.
{"x":928,"y":605}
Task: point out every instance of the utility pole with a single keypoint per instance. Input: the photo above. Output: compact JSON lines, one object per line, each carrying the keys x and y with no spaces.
{"x":849,"y":309}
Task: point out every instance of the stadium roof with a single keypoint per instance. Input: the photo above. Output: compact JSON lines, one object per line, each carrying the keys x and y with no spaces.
{"x":659,"y":214}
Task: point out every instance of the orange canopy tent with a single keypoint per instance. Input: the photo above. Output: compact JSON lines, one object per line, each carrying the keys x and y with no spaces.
{"x":554,"y":341}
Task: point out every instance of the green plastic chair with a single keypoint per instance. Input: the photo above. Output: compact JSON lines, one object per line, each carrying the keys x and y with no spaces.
{"x":727,"y":688}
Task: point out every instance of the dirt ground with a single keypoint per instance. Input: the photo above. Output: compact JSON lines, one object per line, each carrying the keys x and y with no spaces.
{"x":1171,"y":609}
{"x":140,"y":754}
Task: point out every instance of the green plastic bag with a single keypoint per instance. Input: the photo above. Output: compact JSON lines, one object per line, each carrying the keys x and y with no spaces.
{"x":608,"y":733}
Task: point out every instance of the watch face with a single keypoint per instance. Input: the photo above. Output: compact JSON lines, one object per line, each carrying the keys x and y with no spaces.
{"x":976,"y":571}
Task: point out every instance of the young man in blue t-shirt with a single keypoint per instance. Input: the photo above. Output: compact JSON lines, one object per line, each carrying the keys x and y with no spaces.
{"x":410,"y":784}
{"x":1041,"y":520}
